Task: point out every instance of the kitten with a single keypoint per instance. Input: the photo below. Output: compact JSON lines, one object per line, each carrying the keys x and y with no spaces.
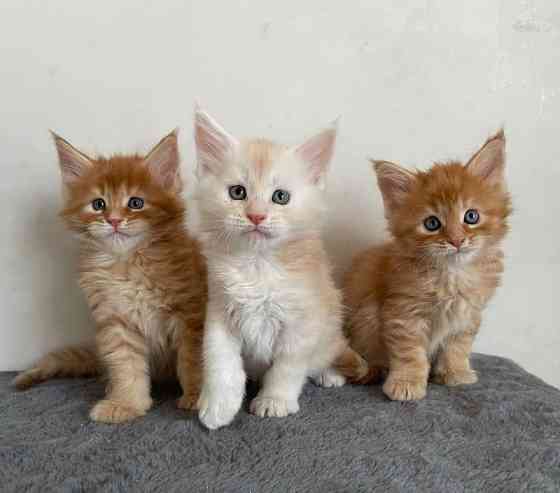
{"x":273,"y":310}
{"x":142,"y":275}
{"x":415,"y":303}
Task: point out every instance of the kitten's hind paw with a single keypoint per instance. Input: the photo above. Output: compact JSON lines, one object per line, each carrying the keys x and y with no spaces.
{"x":108,"y":411}
{"x":273,"y":408}
{"x":453,"y":378}
{"x":329,"y":378}
{"x":188,"y":402}
{"x":403,"y":390}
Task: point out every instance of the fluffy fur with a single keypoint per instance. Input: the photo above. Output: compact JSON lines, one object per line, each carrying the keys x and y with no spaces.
{"x":274,"y":313}
{"x":143,"y":277}
{"x":415,"y":303}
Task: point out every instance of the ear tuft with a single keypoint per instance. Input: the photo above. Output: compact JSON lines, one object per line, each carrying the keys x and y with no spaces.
{"x":395,"y":183}
{"x":214,"y":145}
{"x":73,"y":163}
{"x":163,"y":162}
{"x":489,"y":161}
{"x":317,"y":152}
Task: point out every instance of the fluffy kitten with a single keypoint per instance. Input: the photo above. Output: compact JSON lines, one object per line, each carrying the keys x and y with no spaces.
{"x":274,"y":312}
{"x":143,"y":277}
{"x":415,"y":302}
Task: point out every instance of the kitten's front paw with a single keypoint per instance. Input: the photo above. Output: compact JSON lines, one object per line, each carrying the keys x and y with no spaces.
{"x":108,"y":411}
{"x":403,"y":390}
{"x":274,"y":408}
{"x":329,"y":378}
{"x":453,"y":378}
{"x":215,"y":411}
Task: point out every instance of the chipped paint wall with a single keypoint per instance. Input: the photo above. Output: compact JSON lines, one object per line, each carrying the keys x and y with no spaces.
{"x":414,"y":82}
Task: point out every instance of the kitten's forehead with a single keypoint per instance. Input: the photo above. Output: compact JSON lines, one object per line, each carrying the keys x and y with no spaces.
{"x":259,"y":157}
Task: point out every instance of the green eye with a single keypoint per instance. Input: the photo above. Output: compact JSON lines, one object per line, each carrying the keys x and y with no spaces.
{"x":281,"y":197}
{"x":472,"y":216}
{"x":135,"y":203}
{"x":98,"y":204}
{"x":432,"y":223}
{"x":237,"y":192}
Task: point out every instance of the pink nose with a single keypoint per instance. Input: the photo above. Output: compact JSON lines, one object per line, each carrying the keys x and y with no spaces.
{"x":256,"y":219}
{"x":114,"y":222}
{"x":456,"y":242}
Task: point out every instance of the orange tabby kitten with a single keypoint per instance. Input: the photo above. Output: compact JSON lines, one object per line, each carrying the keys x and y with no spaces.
{"x":416,"y":301}
{"x":142,"y":275}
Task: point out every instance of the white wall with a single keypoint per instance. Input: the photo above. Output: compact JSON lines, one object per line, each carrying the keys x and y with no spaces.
{"x":414,"y":82}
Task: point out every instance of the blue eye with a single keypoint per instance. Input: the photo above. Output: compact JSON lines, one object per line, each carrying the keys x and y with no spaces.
{"x":432,"y":223}
{"x":472,"y":216}
{"x":281,"y":197}
{"x":98,"y":204}
{"x":135,"y":203}
{"x":237,"y":192}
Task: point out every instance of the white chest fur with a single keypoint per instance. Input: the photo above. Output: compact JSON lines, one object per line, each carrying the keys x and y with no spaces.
{"x":259,"y":303}
{"x":457,"y":307}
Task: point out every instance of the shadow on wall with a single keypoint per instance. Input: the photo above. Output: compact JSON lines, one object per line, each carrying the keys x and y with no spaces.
{"x":62,"y":315}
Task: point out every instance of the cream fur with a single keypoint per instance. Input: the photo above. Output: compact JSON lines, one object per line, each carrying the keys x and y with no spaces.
{"x":274,"y":313}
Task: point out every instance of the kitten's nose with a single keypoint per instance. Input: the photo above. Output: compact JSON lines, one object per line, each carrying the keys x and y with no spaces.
{"x":114,"y":221}
{"x":456,"y":242}
{"x":256,"y":219}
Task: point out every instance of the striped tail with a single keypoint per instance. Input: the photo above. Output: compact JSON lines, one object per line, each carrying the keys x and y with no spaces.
{"x":356,"y":369}
{"x":72,"y":361}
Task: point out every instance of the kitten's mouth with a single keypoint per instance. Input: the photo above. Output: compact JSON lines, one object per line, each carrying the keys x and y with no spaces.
{"x":257,"y":233}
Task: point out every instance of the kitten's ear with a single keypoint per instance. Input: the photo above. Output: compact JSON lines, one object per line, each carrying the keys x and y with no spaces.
{"x":395,"y":183}
{"x":490,"y":160}
{"x":163,"y":162}
{"x":73,"y":163}
{"x":214,"y":146}
{"x":317,"y":152}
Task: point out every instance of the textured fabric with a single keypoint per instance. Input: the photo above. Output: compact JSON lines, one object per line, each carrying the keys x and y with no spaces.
{"x":502,"y":434}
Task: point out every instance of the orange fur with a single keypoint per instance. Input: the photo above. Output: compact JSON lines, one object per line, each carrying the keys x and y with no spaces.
{"x":146,"y":287}
{"x":415,"y":302}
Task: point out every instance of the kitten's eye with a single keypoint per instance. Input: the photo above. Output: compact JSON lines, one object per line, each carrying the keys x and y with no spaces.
{"x":98,"y":204}
{"x":237,"y":192}
{"x":472,"y":216}
{"x":281,"y":197}
{"x":432,"y":223}
{"x":135,"y":203}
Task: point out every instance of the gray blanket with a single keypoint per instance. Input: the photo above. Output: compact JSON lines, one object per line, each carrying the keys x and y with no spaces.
{"x":502,"y":434}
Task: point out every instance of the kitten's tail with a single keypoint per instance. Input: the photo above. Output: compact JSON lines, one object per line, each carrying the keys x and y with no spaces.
{"x":356,"y":369}
{"x":72,"y":361}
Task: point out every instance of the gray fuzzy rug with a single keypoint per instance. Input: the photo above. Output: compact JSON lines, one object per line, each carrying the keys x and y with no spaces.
{"x":502,"y":434}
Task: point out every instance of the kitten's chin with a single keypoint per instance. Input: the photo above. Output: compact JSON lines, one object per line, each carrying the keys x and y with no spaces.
{"x":121,"y":243}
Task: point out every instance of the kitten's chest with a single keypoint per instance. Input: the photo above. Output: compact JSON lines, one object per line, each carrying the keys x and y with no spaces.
{"x":258,"y":302}
{"x":130,"y":290}
{"x":457,"y":305}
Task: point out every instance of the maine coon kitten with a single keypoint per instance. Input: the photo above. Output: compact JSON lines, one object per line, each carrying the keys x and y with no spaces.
{"x":143,"y":277}
{"x":274,"y":313}
{"x":416,"y":302}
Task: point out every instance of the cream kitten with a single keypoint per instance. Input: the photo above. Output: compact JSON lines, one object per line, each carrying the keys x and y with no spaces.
{"x":274,"y":312}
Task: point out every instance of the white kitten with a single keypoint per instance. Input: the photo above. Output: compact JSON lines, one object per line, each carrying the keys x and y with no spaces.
{"x":274,"y":313}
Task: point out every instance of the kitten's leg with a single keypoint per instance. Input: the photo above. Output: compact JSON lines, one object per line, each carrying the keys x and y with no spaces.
{"x":189,"y":366}
{"x":281,"y":388}
{"x":125,"y":356}
{"x":223,"y":388}
{"x":348,"y":365}
{"x":409,"y":367}
{"x":452,"y":365}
